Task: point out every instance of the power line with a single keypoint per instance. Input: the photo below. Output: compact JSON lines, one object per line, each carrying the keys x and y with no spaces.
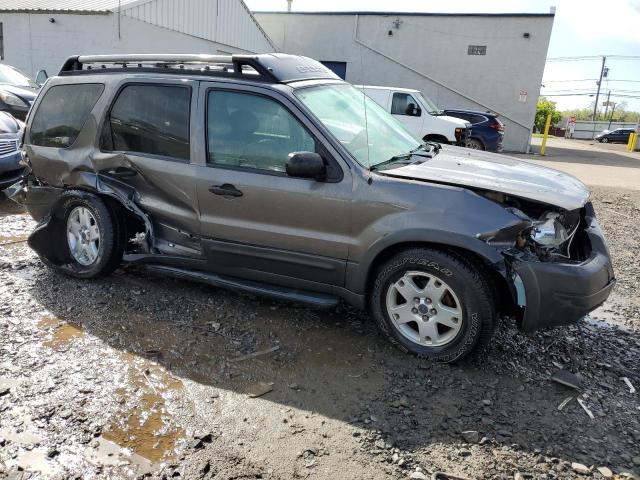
{"x":575,"y":80}
{"x":592,"y":57}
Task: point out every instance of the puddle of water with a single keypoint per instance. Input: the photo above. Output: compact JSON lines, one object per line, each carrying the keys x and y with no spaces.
{"x":110,"y":454}
{"x":147,"y":428}
{"x":63,"y":333}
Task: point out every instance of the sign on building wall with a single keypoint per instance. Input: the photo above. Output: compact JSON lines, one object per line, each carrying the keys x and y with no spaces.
{"x":523,"y":96}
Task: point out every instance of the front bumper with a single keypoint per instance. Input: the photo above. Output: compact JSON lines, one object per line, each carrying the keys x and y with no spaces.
{"x":562,"y":293}
{"x":11,"y":170}
{"x":462,"y":135}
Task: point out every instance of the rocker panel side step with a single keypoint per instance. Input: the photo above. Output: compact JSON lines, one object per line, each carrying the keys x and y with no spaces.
{"x":319,"y":300}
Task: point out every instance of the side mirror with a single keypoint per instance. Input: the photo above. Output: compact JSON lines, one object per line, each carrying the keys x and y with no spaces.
{"x":306,"y":165}
{"x":41,"y":77}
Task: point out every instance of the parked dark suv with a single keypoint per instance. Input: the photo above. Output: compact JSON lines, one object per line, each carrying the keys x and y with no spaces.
{"x":487,"y":131}
{"x":269,"y":174}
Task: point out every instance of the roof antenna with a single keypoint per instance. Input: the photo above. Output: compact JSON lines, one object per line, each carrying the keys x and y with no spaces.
{"x":364,"y":95}
{"x":289,"y":2}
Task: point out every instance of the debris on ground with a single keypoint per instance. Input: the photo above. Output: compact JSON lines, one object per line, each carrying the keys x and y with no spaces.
{"x":564,"y":403}
{"x":258,"y":389}
{"x":586,"y":409}
{"x":628,"y":382}
{"x":568,"y":379}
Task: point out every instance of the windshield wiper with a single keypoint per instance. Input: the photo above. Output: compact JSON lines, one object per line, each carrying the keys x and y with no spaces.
{"x":435,"y":148}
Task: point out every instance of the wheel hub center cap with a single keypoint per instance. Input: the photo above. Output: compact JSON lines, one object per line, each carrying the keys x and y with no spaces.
{"x":423,"y":309}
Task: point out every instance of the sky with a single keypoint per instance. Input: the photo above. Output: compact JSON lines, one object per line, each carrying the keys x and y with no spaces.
{"x":581,"y":28}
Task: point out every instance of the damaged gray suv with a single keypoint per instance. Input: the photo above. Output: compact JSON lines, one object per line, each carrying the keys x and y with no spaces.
{"x":268,"y":174}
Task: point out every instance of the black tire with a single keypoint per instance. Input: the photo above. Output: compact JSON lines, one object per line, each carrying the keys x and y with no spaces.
{"x":111,"y":243}
{"x":475,"y":144}
{"x":604,"y":140}
{"x":464,"y":277}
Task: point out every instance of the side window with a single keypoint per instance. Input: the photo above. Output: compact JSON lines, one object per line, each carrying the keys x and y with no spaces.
{"x":475,"y":119}
{"x":62,"y":113}
{"x":152,"y":119}
{"x":246,"y":130}
{"x":405,"y":104}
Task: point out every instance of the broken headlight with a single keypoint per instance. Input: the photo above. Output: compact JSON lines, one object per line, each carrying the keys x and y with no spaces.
{"x":549,"y":231}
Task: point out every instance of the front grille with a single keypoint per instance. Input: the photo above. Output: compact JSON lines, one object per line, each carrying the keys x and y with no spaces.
{"x":8,"y":146}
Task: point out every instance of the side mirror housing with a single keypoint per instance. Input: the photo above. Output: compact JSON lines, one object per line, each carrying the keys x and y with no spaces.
{"x":306,"y":165}
{"x":41,"y":77}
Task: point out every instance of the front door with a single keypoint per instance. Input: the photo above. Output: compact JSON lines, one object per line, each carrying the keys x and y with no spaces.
{"x":257,"y":222}
{"x":406,"y":108}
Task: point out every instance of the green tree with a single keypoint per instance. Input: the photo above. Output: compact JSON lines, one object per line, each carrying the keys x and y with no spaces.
{"x":544,"y":108}
{"x":580,"y":113}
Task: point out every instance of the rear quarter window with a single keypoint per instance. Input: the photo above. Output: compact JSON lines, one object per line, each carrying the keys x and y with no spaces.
{"x":62,"y":113}
{"x":475,"y":119}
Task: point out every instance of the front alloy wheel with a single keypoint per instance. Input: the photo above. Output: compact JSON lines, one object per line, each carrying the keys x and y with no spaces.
{"x":433,"y":303}
{"x":424,"y":309}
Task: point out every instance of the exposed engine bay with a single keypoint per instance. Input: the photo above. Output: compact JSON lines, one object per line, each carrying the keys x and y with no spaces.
{"x":548,"y":233}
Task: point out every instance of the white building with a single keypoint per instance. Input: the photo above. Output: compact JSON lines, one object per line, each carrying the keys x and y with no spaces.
{"x":41,"y":34}
{"x":473,"y":61}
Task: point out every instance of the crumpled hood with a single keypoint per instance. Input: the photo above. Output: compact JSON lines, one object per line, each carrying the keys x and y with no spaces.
{"x":499,"y":173}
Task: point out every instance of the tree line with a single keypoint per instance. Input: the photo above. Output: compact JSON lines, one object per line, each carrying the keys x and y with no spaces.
{"x":546,"y":106}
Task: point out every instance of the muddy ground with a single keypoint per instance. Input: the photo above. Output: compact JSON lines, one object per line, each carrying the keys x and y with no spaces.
{"x":137,"y":375}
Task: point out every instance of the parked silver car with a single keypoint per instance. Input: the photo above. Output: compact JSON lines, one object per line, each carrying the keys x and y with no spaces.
{"x":10,"y":156}
{"x":269,"y":174}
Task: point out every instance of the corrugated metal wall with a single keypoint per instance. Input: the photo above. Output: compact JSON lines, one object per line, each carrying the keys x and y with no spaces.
{"x":223,"y":21}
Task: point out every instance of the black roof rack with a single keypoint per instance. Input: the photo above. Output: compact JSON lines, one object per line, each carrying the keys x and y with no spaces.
{"x":273,"y":67}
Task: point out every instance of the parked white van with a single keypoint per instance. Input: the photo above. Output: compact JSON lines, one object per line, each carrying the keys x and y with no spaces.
{"x":419,"y":114}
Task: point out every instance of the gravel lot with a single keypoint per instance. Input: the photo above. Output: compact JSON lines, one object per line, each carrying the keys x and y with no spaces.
{"x":138,"y":375}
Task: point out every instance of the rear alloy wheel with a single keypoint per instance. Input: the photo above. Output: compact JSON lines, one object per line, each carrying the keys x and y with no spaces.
{"x":83,"y":236}
{"x":475,"y":144}
{"x":89,"y":236}
{"x":433,"y":303}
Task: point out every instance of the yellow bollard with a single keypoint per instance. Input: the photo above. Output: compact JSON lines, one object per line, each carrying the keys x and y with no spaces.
{"x":547,"y":125}
{"x":633,"y":140}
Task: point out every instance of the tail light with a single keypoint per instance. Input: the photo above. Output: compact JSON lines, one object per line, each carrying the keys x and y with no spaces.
{"x":497,"y":125}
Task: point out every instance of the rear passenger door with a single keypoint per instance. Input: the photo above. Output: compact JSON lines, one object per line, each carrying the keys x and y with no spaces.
{"x":269,"y":226}
{"x":148,"y":128}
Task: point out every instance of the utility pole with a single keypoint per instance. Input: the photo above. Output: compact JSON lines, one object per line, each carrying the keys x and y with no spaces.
{"x":611,"y":117}
{"x":606,"y":105}
{"x":595,"y":107}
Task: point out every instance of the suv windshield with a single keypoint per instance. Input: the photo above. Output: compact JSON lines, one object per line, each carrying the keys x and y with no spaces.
{"x":11,"y":76}
{"x":432,"y":109}
{"x":370,"y":134}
